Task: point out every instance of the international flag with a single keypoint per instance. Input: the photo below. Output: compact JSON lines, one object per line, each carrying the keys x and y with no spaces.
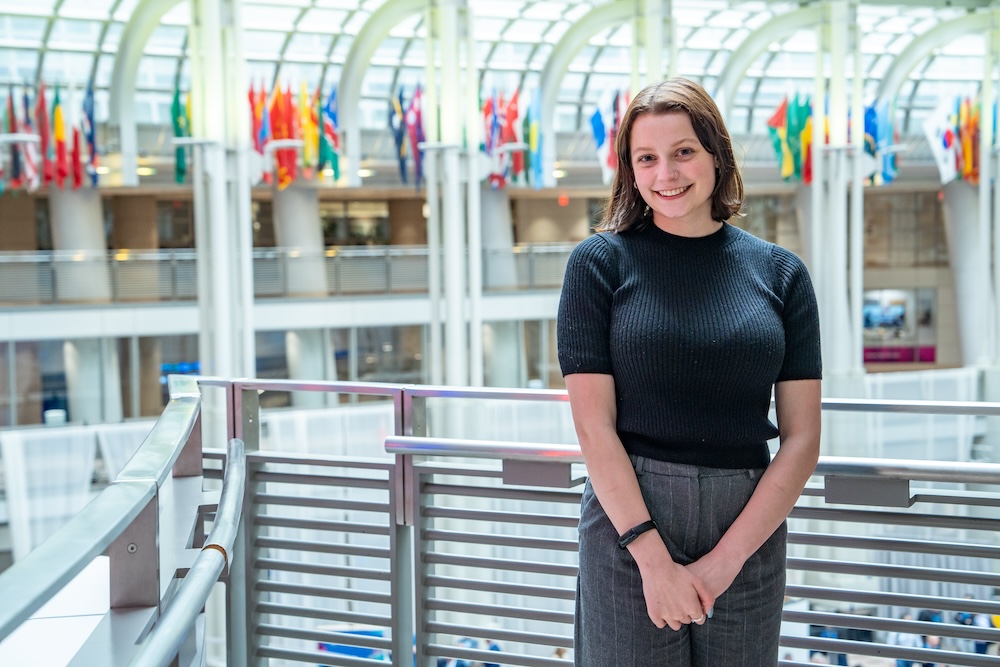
{"x":182,"y":128}
{"x":16,"y":175}
{"x":415,"y":130}
{"x":968,"y":132}
{"x":509,"y":135}
{"x":31,"y":157}
{"x":397,"y":125}
{"x":59,"y":139}
{"x":941,"y":133}
{"x":282,"y":120}
{"x":777,"y":127}
{"x":44,"y":143}
{"x":264,"y":135}
{"x":90,"y":134}
{"x":308,"y":132}
{"x":534,"y":137}
{"x":601,"y":124}
{"x":805,"y":144}
{"x":257,"y":170}
{"x":329,"y":141}
{"x":491,"y":123}
{"x":885,"y":113}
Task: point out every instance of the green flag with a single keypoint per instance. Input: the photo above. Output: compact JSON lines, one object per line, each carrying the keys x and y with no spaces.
{"x":181,"y":129}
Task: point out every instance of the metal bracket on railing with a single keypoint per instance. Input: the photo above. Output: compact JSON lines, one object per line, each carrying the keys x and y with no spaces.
{"x":868,"y":491}
{"x":554,"y":474}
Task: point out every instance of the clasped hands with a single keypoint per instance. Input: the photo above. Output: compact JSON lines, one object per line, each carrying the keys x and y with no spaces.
{"x":678,"y":595}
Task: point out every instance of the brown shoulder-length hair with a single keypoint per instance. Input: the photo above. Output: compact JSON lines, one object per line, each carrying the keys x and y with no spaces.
{"x":626,"y":208}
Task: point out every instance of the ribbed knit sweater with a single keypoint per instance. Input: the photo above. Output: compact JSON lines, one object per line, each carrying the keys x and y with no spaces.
{"x":695,"y":332}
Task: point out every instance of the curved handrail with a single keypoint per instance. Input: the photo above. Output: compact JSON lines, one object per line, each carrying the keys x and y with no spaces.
{"x":170,"y":631}
{"x":30,"y":582}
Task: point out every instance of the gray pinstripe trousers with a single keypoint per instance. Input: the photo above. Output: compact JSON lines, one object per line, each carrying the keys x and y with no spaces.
{"x":692,"y":506}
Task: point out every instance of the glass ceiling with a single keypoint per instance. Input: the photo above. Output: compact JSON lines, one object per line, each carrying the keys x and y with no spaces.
{"x":73,"y":42}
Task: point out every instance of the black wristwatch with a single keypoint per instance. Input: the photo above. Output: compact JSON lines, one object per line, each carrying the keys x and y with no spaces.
{"x":629,"y":535}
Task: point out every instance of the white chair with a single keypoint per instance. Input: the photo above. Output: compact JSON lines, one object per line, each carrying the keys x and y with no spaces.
{"x":47,"y":473}
{"x":118,"y":442}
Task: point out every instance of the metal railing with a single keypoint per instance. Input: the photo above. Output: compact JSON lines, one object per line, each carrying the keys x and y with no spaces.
{"x":453,"y":542}
{"x":171,"y":275}
{"x":143,"y":522}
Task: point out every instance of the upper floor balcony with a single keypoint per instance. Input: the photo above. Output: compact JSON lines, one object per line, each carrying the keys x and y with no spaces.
{"x":125,"y":276}
{"x":432,"y":524}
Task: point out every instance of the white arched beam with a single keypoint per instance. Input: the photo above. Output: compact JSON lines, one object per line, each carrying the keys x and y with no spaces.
{"x":756,"y":43}
{"x":562,"y":54}
{"x":144,"y":20}
{"x":369,"y":38}
{"x":918,"y":49}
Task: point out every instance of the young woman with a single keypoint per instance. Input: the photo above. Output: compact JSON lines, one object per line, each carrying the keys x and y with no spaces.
{"x":674,"y":328}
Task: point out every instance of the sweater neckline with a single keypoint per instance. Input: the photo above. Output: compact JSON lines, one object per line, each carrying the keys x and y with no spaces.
{"x":717,"y":239}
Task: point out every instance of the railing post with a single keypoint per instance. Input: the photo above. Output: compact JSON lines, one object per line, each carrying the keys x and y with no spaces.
{"x":174,"y":291}
{"x":135,"y":561}
{"x":404,"y":629}
{"x":413,"y":421}
{"x":241,"y":600}
{"x":388,"y":270}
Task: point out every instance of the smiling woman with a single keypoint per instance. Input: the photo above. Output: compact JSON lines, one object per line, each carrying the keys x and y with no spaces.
{"x":674,"y":328}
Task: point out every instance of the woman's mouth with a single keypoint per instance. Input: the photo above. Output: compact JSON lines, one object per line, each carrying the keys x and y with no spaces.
{"x":674,"y":192}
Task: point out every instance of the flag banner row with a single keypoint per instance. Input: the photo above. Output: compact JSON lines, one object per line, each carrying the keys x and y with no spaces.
{"x":953,"y":132}
{"x":45,"y":144}
{"x":604,"y":124}
{"x":406,"y":124}
{"x":791,"y":130}
{"x":513,"y":149}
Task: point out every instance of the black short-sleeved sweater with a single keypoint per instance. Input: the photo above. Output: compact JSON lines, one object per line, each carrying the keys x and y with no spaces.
{"x":695,"y":331}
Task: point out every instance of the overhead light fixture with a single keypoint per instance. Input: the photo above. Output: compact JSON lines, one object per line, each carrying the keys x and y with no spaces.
{"x":328,"y":171}
{"x":145,"y":171}
{"x":102,"y":170}
{"x":365,"y":173}
{"x":558,"y":173}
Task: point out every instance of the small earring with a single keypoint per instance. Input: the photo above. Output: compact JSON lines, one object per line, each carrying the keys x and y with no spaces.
{"x":635,"y":185}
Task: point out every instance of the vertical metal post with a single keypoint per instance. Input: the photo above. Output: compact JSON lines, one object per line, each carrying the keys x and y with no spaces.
{"x":134,"y":558}
{"x":474,"y":222}
{"x":135,"y":376}
{"x":241,"y":600}
{"x":12,"y":382}
{"x":174,"y":289}
{"x":388,"y":270}
{"x":434,"y":264}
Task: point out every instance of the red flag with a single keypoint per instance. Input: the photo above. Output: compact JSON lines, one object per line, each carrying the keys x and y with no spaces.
{"x":76,"y":160}
{"x":508,"y":134}
{"x":42,"y":121}
{"x":281,"y":128}
{"x":59,"y":137}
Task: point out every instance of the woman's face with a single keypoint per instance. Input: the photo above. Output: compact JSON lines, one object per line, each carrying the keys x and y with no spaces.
{"x":674,"y":173}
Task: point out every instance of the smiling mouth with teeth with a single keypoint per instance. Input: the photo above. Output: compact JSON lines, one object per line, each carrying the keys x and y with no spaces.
{"x":671,"y":193}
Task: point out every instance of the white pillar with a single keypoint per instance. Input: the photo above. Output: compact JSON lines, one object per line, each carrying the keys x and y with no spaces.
{"x":221,"y":188}
{"x":81,"y":249}
{"x":93,"y":378}
{"x":300,"y":238}
{"x":473,"y":121}
{"x":450,"y":105}
{"x":504,"y":345}
{"x":961,"y":219}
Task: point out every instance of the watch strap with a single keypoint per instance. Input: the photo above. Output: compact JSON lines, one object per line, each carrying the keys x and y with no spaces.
{"x":631,"y":534}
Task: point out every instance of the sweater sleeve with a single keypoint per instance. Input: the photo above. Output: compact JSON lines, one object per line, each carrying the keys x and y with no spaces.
{"x":584,"y":321}
{"x":803,"y":357}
